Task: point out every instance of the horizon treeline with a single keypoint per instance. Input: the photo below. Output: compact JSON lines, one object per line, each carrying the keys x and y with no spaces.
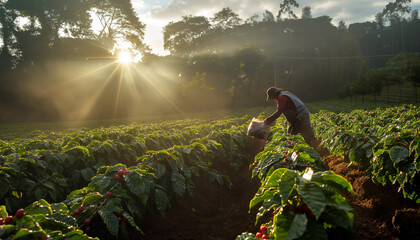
{"x":55,"y":67}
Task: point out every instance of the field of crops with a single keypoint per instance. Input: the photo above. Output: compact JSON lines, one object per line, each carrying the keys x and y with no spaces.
{"x":106,"y":182}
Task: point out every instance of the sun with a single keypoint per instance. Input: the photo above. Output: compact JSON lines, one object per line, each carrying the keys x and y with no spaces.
{"x":125,"y":57}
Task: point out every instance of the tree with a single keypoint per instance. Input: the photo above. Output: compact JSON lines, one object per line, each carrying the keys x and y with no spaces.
{"x":396,"y":69}
{"x":180,"y":37}
{"x":412,"y":71}
{"x":9,"y":47}
{"x":286,"y":8}
{"x":414,"y":15}
{"x":306,"y":13}
{"x":361,"y":86}
{"x":253,"y":19}
{"x":394,"y":9}
{"x":375,"y":81}
{"x":50,"y":21}
{"x":342,"y":26}
{"x":268,"y":16}
{"x":197,"y":94}
{"x":119,"y":24}
{"x":226,"y":19}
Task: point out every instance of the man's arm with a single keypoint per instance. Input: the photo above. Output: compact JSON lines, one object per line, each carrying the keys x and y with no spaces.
{"x":269,"y":120}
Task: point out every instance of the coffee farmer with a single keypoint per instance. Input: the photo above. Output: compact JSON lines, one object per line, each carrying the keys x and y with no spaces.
{"x":295,"y":112}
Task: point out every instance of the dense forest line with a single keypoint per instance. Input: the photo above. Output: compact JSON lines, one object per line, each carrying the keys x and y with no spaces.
{"x":55,"y":66}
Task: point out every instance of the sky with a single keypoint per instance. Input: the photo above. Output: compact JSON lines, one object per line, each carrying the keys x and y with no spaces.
{"x":157,"y":14}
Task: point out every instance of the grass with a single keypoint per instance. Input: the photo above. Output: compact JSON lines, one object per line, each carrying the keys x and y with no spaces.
{"x":18,"y":130}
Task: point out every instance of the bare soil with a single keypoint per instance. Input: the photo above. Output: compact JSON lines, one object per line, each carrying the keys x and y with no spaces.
{"x":218,"y":213}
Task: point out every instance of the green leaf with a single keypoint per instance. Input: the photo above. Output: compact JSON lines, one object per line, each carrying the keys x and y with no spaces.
{"x":306,"y":158}
{"x":313,"y":196}
{"x":178,"y":183}
{"x":39,"y":207}
{"x":161,"y":170}
{"x":90,"y":197}
{"x":60,"y":219}
{"x":274,"y":178}
{"x":104,"y":183}
{"x":87,"y":173}
{"x":282,"y":224}
{"x":298,"y":226}
{"x":286,"y":185}
{"x":330,"y":178}
{"x":3,"y":212}
{"x":6,"y":230}
{"x":338,"y":217}
{"x":110,"y":220}
{"x":399,"y":155}
{"x":59,"y":207}
{"x":132,"y":222}
{"x":135,"y":183}
{"x":268,"y":194}
{"x":314,"y":231}
{"x":245,"y":236}
{"x":161,"y":200}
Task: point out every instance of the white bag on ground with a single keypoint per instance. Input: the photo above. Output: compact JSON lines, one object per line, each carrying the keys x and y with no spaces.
{"x":258,"y":129}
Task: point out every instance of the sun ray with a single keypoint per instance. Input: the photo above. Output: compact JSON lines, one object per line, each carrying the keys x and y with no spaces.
{"x":131,"y":79}
{"x":89,"y":106}
{"x":82,"y":76}
{"x":118,"y":91}
{"x":161,"y":93}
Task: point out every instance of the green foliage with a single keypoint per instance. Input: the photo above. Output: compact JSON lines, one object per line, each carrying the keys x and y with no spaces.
{"x":41,"y":219}
{"x":112,"y":197}
{"x":305,"y":200}
{"x":383,"y":141}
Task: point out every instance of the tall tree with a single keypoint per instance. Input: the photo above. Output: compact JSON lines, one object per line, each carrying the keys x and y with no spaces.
{"x":286,"y":8}
{"x":414,"y":15}
{"x":306,"y":13}
{"x":180,"y":37}
{"x":342,"y":26}
{"x":267,"y":16}
{"x":119,"y":23}
{"x":253,"y":19}
{"x":394,"y":9}
{"x":226,"y":19}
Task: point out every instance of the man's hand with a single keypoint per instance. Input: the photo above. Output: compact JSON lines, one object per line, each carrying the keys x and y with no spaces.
{"x":267,"y":123}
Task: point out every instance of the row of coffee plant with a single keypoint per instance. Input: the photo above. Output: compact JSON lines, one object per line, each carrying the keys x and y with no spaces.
{"x":51,"y":168}
{"x":300,"y":199}
{"x":117,"y":198}
{"x":384,"y":141}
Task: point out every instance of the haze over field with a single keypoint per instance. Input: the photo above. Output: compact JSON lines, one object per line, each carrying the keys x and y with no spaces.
{"x":99,"y":59}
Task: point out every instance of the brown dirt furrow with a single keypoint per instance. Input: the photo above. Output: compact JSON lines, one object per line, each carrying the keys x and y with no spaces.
{"x":381,"y":212}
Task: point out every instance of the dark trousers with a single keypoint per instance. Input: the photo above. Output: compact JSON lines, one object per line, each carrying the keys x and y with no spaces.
{"x":302,"y":126}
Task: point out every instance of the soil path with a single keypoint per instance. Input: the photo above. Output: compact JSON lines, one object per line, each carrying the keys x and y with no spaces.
{"x":381,"y":212}
{"x":215,"y":212}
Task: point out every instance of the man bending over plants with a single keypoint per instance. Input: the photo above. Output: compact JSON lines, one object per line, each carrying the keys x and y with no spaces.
{"x":295,"y":112}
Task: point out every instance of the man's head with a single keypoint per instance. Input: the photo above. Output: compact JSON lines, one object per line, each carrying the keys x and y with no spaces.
{"x":273,"y":92}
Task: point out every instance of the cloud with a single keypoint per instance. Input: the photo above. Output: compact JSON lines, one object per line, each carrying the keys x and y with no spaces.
{"x":178,"y":8}
{"x":157,"y":14}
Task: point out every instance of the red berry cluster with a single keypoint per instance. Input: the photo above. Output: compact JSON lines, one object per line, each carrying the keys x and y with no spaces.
{"x":120,"y":217}
{"x":120,"y":173}
{"x":262,"y":234}
{"x":87,"y":224}
{"x":10,"y":219}
{"x":78,"y":211}
{"x":303,"y":208}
